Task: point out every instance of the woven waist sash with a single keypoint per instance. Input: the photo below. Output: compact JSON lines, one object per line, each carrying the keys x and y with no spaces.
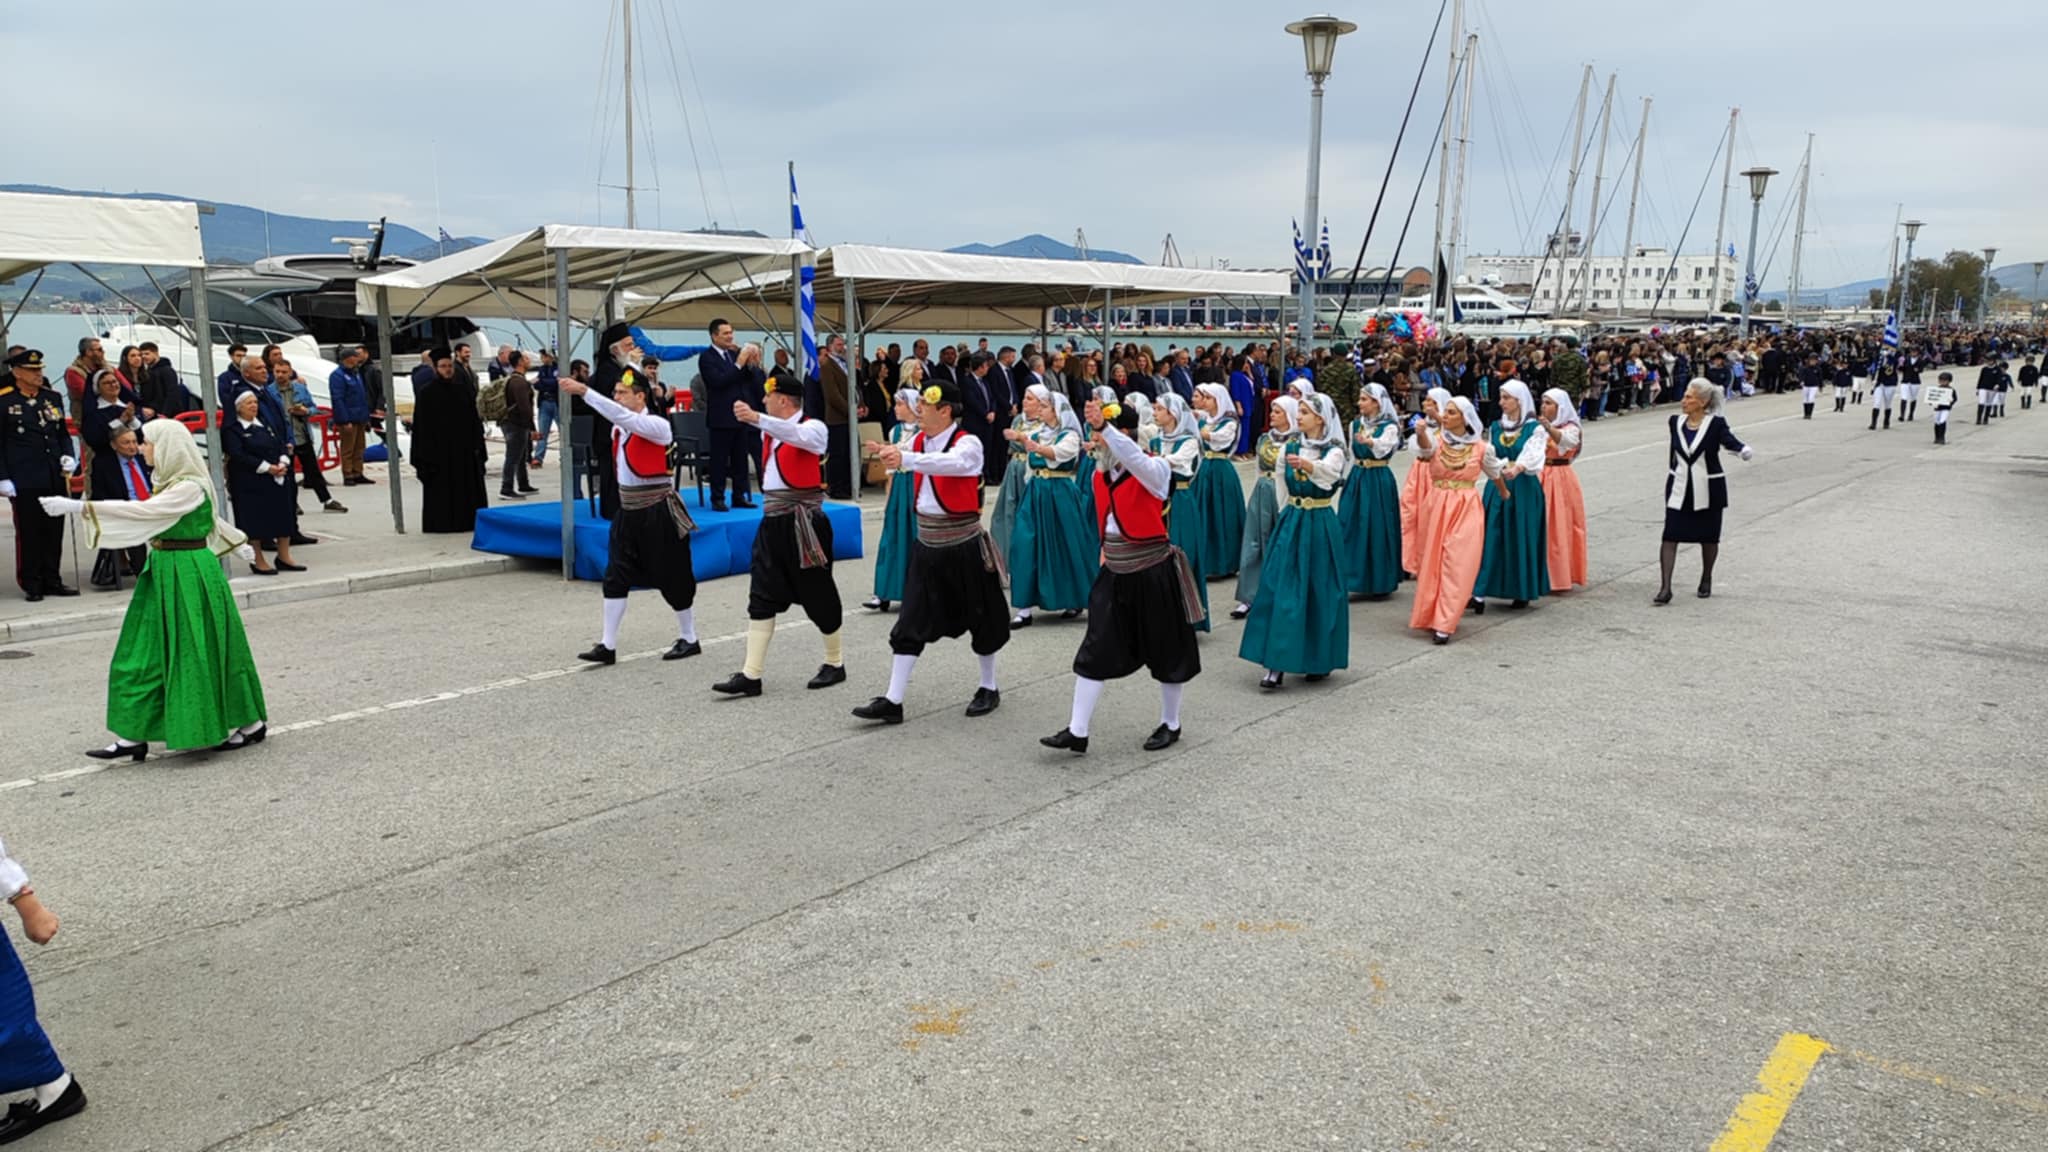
{"x":634,"y":497}
{"x":1310,"y":501}
{"x":950,"y":531}
{"x":1124,"y":557}
{"x":1452,"y":485}
{"x":178,"y":545}
{"x":800,"y":502}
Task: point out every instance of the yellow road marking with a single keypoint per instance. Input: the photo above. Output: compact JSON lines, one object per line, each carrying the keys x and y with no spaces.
{"x":1942,"y":1080}
{"x":1756,"y":1118}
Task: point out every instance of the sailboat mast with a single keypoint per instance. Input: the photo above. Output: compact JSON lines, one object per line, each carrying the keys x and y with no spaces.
{"x":1898,"y":214}
{"x":1593,"y":212}
{"x":1721,"y":228}
{"x":1799,"y":229}
{"x":626,"y":9}
{"x":1628,"y":240}
{"x":1443,"y":165}
{"x":1464,"y":150}
{"x":1571,"y":183}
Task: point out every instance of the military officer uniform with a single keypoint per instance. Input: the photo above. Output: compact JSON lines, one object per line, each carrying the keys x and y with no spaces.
{"x":35,"y":460}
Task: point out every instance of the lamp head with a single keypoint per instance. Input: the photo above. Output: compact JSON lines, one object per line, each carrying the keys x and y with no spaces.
{"x":1990,"y":254}
{"x":1319,"y":42}
{"x":1758,"y":177}
{"x":1913,"y":230}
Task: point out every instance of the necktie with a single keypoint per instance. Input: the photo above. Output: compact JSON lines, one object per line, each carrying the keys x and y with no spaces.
{"x":135,"y":480}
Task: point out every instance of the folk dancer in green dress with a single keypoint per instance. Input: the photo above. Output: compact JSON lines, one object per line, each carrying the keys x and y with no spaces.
{"x":1003,"y":520}
{"x":1218,"y":492}
{"x":1093,"y":456}
{"x":1262,"y":509}
{"x":1179,"y":443}
{"x":1300,"y":619}
{"x":1370,"y":512}
{"x":1516,"y":566}
{"x":899,"y":518}
{"x":181,"y":671}
{"x":1052,"y":546}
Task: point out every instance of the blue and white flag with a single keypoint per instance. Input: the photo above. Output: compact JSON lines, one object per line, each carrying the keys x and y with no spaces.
{"x":1323,"y":253}
{"x":1302,"y":271}
{"x":807,"y":297}
{"x":1731,"y":251}
{"x":1891,"y":329}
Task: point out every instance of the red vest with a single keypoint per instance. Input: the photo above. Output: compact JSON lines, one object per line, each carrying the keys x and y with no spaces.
{"x":797,"y":467}
{"x":960,"y":495}
{"x":1139,"y":514}
{"x":644,"y":457}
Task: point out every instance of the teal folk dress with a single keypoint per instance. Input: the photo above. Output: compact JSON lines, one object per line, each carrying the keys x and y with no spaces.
{"x":1261,"y":514}
{"x":1370,"y":512}
{"x":1053,"y":546}
{"x":1516,"y":564}
{"x":1004,"y":518}
{"x":1220,"y":496}
{"x":899,"y":524}
{"x":1183,"y":515}
{"x":1300,"y":622}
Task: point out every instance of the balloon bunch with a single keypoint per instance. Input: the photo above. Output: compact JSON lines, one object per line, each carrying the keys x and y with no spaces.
{"x":1406,"y":326}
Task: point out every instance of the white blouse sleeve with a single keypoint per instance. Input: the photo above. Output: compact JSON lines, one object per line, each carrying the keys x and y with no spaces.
{"x":13,"y":877}
{"x":132,"y":523}
{"x":1151,"y":471}
{"x":1489,"y":462}
{"x":1568,"y":439}
{"x":1064,"y":447}
{"x":1387,"y":443}
{"x":1426,"y":451}
{"x":809,"y":435}
{"x":1220,"y":435}
{"x":1185,"y":457}
{"x":1532,"y":454}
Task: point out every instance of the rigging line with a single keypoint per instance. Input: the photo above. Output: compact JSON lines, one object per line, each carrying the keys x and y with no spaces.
{"x":1542,"y":200}
{"x":1671,"y":269}
{"x":1429,"y":158}
{"x":1563,"y":231}
{"x":1350,"y":284}
{"x":689,"y":129}
{"x":653,"y":152}
{"x":601,"y":108}
{"x":710,"y":136}
{"x":1518,"y":204}
{"x":1514,"y":90}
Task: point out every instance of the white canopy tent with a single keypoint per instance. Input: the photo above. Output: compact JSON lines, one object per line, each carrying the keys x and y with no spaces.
{"x":37,"y":230}
{"x":571,"y":273}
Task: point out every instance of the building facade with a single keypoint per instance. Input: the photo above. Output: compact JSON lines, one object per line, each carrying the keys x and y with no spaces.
{"x":1675,"y":286}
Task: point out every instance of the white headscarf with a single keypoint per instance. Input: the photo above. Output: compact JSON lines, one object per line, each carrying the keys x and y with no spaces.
{"x":1292,"y":407}
{"x":1183,"y":416}
{"x":1104,"y":394}
{"x":909,"y":398}
{"x":1226,"y":408}
{"x":1442,"y":396}
{"x":1063,"y":414}
{"x":1472,"y":427}
{"x":178,"y":462}
{"x":1044,"y":396}
{"x":1567,"y":412}
{"x":1387,"y":410}
{"x":1520,"y":392}
{"x":1333,"y":424}
{"x":1302,"y":387}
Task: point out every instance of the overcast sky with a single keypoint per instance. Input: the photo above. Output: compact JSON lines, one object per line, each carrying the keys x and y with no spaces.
{"x":931,"y":123}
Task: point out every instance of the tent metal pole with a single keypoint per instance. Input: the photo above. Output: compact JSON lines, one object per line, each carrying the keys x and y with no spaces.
{"x":856,"y":355}
{"x":393,"y":423}
{"x":1108,"y":311}
{"x":208,"y":388}
{"x":566,"y":458}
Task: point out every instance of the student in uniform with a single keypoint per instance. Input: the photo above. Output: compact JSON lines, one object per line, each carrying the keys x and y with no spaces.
{"x":1987,"y":391}
{"x":1884,"y":385}
{"x":650,"y":532}
{"x":1052,"y":548}
{"x":899,"y":518}
{"x":1143,"y":607}
{"x":1946,"y":381}
{"x":1810,"y":378}
{"x":792,"y":557}
{"x":1516,"y":567}
{"x":1262,"y":510}
{"x":1299,"y":621}
{"x":1909,"y":387}
{"x":1369,"y":514}
{"x":954,"y":586}
{"x":1845,"y":383}
{"x":28,"y":1063}
{"x":2031,"y":377}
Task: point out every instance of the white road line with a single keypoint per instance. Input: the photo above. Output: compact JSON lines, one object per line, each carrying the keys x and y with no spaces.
{"x":396,"y":706}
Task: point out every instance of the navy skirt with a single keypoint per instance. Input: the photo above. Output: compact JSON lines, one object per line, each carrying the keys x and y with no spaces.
{"x":26,"y":1058}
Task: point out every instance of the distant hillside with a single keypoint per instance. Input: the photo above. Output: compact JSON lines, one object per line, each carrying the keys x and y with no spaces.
{"x":1041,"y":247}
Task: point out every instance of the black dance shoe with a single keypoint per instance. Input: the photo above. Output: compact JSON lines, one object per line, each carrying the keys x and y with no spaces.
{"x":61,"y":590}
{"x":1440,"y":638}
{"x":881,"y":708}
{"x":1070,"y":614}
{"x":1272,"y":680}
{"x":1519,"y":604}
{"x":119,"y":748}
{"x":682,"y":650}
{"x":1661,"y":598}
{"x":1706,"y":589}
{"x":738,"y":684}
{"x":1066,"y":741}
{"x":1162,"y":738}
{"x":1017,"y":622}
{"x":24,"y":1117}
{"x":1477,"y":606}
{"x":599,"y":654}
{"x":986,"y":700}
{"x":828,"y":675}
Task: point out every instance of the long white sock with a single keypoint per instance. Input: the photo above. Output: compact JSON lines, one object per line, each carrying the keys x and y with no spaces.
{"x":1169,"y":705}
{"x":759,"y":633}
{"x":46,"y":1094}
{"x":614,"y":612}
{"x":686,"y":624}
{"x":988,"y":671}
{"x":1087,"y":693}
{"x":1022,"y":614}
{"x":899,"y":678}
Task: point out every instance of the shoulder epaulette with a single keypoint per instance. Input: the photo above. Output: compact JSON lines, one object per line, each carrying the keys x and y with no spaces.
{"x":7,"y":391}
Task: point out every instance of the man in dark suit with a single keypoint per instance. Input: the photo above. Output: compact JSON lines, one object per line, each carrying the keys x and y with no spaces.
{"x":986,"y":405}
{"x":731,"y":374}
{"x":948,"y":368}
{"x":1183,"y":381}
{"x":831,"y":390}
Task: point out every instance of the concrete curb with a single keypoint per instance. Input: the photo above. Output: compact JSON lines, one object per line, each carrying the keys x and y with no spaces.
{"x":250,"y":593}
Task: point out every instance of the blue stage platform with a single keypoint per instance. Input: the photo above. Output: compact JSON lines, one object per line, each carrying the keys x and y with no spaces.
{"x":721,"y":545}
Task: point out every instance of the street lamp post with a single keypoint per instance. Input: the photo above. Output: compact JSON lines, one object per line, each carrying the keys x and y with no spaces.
{"x":2034,"y":301}
{"x":1906,"y":272}
{"x":1319,"y":47}
{"x":1984,"y":291}
{"x":1757,"y":177}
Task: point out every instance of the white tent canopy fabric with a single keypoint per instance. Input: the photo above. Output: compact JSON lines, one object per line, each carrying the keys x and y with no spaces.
{"x":38,"y":229}
{"x":515,"y":276}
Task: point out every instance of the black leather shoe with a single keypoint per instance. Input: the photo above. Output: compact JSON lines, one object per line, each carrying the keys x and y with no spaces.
{"x":1316,"y":677}
{"x":719,"y":506}
{"x":1706,"y":590}
{"x":300,"y":539}
{"x":239,"y":739}
{"x":1065,"y":741}
{"x":1070,"y":614}
{"x":1162,"y":737}
{"x":599,"y":654}
{"x":682,"y":650}
{"x":1519,"y":604}
{"x":1017,"y":622}
{"x":738,"y":684}
{"x":744,"y":502}
{"x":1440,"y":638}
{"x":61,"y":590}
{"x":986,"y":700}
{"x":880,"y":708}
{"x":24,"y":1117}
{"x":828,"y":675}
{"x":283,"y":566}
{"x":1661,"y":598}
{"x":1477,"y":606}
{"x":119,"y":748}
{"x":33,"y":597}
{"x":1272,"y":680}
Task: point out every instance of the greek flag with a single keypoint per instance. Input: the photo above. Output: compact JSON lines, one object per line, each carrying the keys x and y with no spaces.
{"x":1323,"y":253}
{"x":806,"y":290}
{"x":1301,"y":267}
{"x":1891,"y":329}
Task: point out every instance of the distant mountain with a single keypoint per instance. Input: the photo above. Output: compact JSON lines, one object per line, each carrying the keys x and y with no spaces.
{"x":1040,"y":247}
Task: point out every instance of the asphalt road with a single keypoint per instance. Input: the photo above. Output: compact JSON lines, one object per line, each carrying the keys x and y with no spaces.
{"x":1563,"y":884}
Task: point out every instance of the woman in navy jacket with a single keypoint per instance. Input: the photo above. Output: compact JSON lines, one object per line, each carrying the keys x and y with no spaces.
{"x":1696,"y":491}
{"x":261,"y":485}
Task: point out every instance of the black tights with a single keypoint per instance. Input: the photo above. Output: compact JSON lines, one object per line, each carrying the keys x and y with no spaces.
{"x":1668,"y":559}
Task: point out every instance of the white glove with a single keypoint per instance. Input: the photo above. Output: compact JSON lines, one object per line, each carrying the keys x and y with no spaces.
{"x":245,"y":552}
{"x":70,"y":465}
{"x":1747,"y":452}
{"x":7,"y":489}
{"x":59,"y":505}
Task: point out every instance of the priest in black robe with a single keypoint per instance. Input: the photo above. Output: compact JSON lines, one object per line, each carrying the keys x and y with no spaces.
{"x":448,"y":449}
